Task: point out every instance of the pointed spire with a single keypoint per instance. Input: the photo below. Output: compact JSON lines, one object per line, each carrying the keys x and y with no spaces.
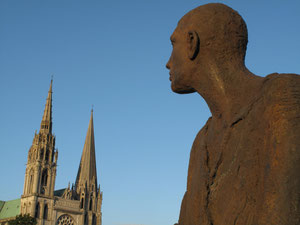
{"x":87,"y":173}
{"x":46,"y":124}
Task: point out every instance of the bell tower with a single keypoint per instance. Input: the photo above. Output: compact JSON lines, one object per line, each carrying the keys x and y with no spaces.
{"x":41,"y":166}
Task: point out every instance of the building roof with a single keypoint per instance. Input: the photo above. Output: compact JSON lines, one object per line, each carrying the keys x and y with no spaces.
{"x":1,"y":204}
{"x":10,"y":208}
{"x":59,"y":192}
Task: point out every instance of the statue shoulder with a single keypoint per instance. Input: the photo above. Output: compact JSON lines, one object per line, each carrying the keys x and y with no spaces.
{"x":281,"y":82}
{"x":282,"y":90}
{"x":281,"y":97}
{"x":281,"y":148}
{"x":203,"y":130}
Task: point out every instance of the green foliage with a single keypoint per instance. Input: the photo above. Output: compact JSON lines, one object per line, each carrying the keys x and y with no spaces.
{"x":23,"y":220}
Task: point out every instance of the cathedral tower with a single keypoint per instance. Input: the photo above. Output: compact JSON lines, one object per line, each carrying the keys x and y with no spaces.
{"x":86,"y":181}
{"x":76,"y":205}
{"x":41,"y":168}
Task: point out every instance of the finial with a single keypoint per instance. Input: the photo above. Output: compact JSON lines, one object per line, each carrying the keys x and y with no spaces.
{"x":92,"y":108}
{"x":51,"y":77}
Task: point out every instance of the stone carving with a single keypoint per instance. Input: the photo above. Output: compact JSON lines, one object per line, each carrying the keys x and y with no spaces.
{"x":65,"y":203}
{"x":245,"y":162}
{"x":70,"y":193}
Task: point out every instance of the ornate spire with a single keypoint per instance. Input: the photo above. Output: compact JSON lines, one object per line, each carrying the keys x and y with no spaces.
{"x":46,"y":124}
{"x":87,"y":174}
{"x":42,"y":157}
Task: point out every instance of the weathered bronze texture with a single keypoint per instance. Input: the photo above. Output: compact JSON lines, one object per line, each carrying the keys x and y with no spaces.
{"x":245,"y":162}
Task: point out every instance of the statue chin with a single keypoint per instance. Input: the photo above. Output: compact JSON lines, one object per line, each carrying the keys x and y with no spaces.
{"x":182,"y":90}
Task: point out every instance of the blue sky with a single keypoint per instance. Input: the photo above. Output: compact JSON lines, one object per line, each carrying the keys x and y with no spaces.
{"x":112,"y":54}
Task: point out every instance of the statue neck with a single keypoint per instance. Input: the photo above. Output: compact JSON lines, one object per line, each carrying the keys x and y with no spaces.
{"x":228,"y":91}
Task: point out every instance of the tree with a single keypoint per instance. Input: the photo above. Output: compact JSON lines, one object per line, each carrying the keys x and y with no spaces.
{"x":23,"y":220}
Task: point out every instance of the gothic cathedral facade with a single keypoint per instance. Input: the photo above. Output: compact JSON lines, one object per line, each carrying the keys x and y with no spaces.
{"x":79,"y":204}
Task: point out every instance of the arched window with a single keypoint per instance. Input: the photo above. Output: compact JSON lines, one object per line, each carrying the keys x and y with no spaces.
{"x":91,"y":203}
{"x":30,"y":184}
{"x":94,"y":220}
{"x":82,"y":199}
{"x":47,"y":156}
{"x":44,"y":177}
{"x":44,"y":180}
{"x":42,"y":154}
{"x":81,"y":203}
{"x":37,"y":210}
{"x":85,"y":218}
{"x":45,"y":216}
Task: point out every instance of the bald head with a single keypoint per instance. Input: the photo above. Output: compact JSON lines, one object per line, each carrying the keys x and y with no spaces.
{"x":209,"y":47}
{"x":219,"y":27}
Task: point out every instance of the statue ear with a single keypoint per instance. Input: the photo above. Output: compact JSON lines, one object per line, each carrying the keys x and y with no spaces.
{"x":193,"y":44}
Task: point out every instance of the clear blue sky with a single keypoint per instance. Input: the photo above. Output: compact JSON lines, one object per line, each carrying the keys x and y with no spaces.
{"x":112,"y":54}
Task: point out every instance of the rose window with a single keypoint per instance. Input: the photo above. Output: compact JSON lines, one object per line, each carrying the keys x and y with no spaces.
{"x":65,"y":220}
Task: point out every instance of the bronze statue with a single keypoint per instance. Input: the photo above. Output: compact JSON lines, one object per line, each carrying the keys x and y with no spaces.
{"x":244,"y":164}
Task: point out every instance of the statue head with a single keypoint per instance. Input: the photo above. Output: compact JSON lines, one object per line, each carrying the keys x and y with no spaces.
{"x":207,"y":39}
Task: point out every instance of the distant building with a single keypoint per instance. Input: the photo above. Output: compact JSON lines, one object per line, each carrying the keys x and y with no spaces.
{"x":79,"y":204}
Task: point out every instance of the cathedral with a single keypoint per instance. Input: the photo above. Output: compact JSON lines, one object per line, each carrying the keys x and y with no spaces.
{"x":79,"y":204}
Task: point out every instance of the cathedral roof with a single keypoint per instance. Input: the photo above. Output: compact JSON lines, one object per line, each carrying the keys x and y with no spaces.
{"x":59,"y":192}
{"x":1,"y":204}
{"x":10,"y":208}
{"x":87,"y":174}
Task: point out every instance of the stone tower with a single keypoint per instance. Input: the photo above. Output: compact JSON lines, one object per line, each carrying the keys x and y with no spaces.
{"x":86,"y":187}
{"x":37,"y":198}
{"x":76,"y":205}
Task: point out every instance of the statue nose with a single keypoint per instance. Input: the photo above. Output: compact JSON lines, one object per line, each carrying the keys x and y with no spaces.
{"x":168,"y":64}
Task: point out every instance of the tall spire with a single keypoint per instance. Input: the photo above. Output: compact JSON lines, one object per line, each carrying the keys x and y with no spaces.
{"x":87,"y":173}
{"x":42,"y":158}
{"x":46,"y":124}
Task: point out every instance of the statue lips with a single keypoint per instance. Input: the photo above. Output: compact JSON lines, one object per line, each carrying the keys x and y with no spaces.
{"x":170,"y":78}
